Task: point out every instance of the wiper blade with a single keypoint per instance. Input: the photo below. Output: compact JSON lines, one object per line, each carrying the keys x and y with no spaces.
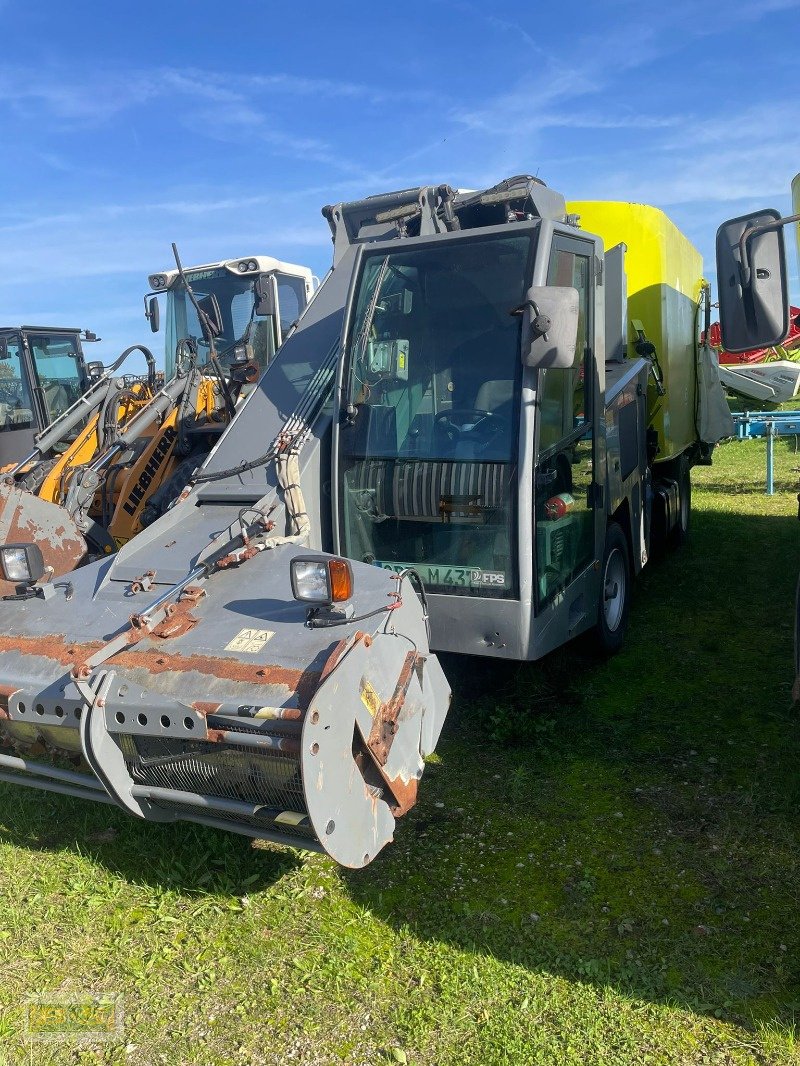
{"x":363,"y":336}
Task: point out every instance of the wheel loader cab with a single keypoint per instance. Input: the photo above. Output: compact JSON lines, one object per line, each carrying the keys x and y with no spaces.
{"x":453,"y":456}
{"x":42,"y":373}
{"x":251,"y":327}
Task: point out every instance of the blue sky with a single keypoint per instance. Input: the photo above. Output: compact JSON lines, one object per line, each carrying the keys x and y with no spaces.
{"x":225,"y":127}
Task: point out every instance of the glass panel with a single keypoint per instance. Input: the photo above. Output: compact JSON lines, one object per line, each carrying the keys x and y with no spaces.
{"x":59,"y":370}
{"x":15,"y":395}
{"x":564,"y":473}
{"x":237,"y":308}
{"x":428,"y":459}
{"x":291,"y":300}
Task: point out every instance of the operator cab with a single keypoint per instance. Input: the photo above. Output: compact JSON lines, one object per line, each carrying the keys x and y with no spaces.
{"x":42,"y":373}
{"x":456,"y":452}
{"x":259,"y":299}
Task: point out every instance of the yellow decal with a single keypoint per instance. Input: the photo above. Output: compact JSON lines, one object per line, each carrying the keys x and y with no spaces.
{"x":250,"y":640}
{"x":290,"y":818}
{"x":369,"y":697}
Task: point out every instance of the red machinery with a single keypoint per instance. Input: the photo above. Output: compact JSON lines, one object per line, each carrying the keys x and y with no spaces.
{"x":759,"y":355}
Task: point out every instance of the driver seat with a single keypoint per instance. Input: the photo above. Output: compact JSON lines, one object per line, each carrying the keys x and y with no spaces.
{"x":496,"y":397}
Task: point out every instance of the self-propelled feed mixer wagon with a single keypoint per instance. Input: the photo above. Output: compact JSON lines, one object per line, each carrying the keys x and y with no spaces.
{"x":440,"y":420}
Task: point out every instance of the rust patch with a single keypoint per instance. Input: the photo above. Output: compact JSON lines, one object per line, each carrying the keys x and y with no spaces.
{"x":25,"y":519}
{"x":280,"y":745}
{"x":385,"y":724}
{"x":205,"y":708}
{"x":405,"y":795}
{"x":174,"y":626}
{"x":399,"y":795}
{"x":6,"y":692}
{"x":333,"y":659}
{"x":54,"y":647}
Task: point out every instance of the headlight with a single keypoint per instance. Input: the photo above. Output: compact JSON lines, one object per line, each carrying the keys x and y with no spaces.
{"x":157,"y":281}
{"x":22,"y":563}
{"x":242,"y":267}
{"x":252,"y":265}
{"x":321,"y":581}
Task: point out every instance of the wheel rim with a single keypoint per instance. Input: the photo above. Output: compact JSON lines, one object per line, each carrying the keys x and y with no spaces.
{"x":614,"y":579}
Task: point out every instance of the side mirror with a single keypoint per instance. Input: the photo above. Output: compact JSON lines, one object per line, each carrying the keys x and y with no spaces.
{"x":550,"y":327}
{"x":210,"y":317}
{"x":266,"y":302}
{"x":752,"y":282}
{"x":153,"y":314}
{"x":4,"y":354}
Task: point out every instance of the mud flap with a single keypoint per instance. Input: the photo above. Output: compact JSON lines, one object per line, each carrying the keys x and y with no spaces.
{"x":364,"y":738}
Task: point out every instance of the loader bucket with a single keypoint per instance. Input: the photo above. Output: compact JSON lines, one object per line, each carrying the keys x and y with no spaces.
{"x":26,"y":519}
{"x":288,"y":734}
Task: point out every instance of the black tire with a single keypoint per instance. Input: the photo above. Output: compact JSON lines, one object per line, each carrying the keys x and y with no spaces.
{"x":680,"y":533}
{"x":614,"y":601}
{"x":796,"y":685}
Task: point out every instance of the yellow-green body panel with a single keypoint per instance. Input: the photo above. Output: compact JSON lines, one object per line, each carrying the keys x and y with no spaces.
{"x":664,"y":275}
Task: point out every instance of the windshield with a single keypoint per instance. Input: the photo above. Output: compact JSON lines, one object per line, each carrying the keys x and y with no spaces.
{"x":236,"y":303}
{"x":59,"y":368}
{"x":428,"y":460}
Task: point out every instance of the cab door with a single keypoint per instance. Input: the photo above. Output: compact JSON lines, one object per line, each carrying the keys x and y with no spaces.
{"x":565,"y":494}
{"x":19,"y":416}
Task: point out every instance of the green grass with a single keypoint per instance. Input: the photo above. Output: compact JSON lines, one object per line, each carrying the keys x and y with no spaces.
{"x":618,"y":884}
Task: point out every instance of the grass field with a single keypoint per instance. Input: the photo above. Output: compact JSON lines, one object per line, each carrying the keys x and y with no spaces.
{"x":604,"y":866}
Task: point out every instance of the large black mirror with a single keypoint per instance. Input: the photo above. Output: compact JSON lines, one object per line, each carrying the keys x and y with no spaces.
{"x":550,"y":327}
{"x":153,"y":314}
{"x":265,"y":295}
{"x":751,"y":281}
{"x":210,"y":317}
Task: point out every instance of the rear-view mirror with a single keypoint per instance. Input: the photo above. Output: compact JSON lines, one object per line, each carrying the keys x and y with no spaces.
{"x":153,"y":314}
{"x":550,"y":327}
{"x":752,"y":282}
{"x":265,"y":295}
{"x":210,"y":317}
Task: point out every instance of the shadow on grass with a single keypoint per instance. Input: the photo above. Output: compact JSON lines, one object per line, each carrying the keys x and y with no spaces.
{"x":182,"y":857}
{"x":632,"y":823}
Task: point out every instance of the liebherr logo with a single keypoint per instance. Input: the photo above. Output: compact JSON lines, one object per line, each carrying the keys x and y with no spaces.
{"x":152,"y":467}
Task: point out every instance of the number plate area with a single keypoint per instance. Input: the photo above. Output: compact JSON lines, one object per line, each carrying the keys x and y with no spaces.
{"x":440,"y":575}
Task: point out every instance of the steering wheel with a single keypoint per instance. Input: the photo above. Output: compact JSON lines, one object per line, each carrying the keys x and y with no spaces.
{"x":469,"y":423}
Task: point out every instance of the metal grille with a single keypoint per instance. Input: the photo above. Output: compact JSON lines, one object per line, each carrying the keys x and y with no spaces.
{"x":215,"y":770}
{"x":415,"y":488}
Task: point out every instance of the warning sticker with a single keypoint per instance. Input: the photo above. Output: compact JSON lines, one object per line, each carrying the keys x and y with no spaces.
{"x":250,"y":640}
{"x":369,"y":697}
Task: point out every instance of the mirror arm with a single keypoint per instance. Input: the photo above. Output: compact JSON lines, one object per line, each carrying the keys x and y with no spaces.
{"x":540,"y":323}
{"x":755,"y":231}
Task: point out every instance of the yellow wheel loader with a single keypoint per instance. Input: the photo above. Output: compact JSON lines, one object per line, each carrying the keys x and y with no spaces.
{"x":117,"y":458}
